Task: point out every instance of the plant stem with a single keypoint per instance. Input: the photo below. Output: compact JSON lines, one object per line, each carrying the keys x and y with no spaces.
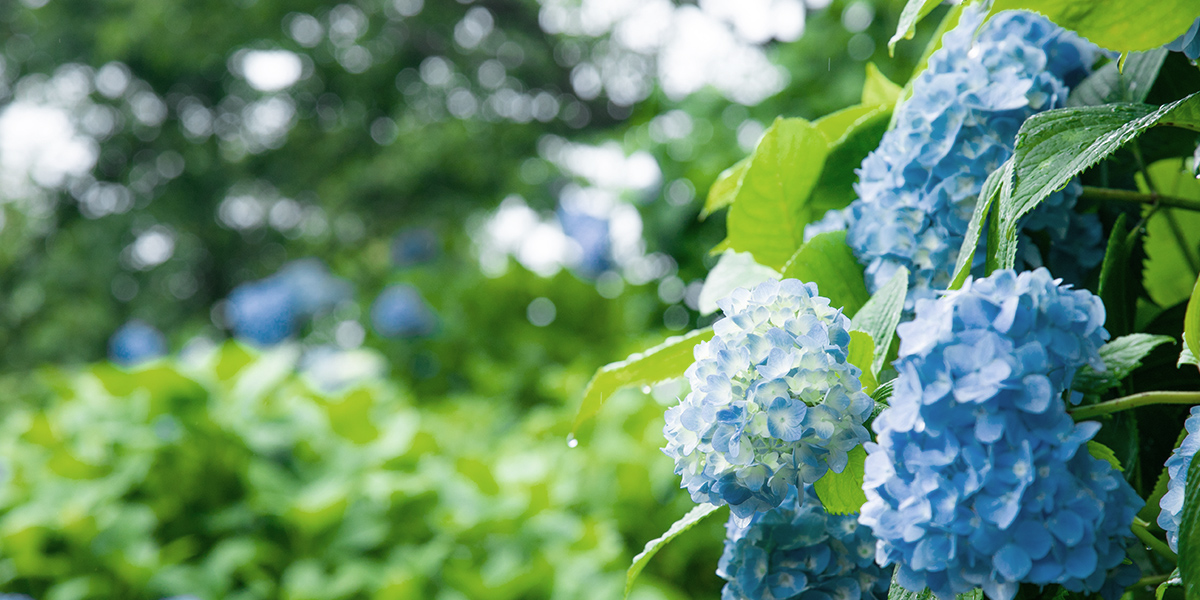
{"x":1100,"y":194}
{"x":1152,"y":580}
{"x":1134,"y":401}
{"x":1155,"y":544}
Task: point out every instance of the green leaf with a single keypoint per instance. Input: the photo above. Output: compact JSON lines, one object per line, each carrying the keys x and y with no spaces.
{"x":1121,"y":357}
{"x":861,"y":354}
{"x":1189,"y":534}
{"x":1055,"y":146}
{"x":1191,"y":327}
{"x":733,"y":270}
{"x":725,"y":188}
{"x":768,"y":216}
{"x":987,"y":197}
{"x":664,"y":361}
{"x":881,"y":314}
{"x":1172,"y":581}
{"x":1121,"y":25}
{"x":878,"y":89}
{"x":1109,"y":84}
{"x":1187,"y":357}
{"x":1170,"y":272}
{"x":913,"y":12}
{"x":827,"y":261}
{"x":1114,"y":289}
{"x":653,"y":546}
{"x":883,"y":393}
{"x":853,"y":133}
{"x":1102,"y":452}
{"x":842,"y":493}
{"x":898,"y":592}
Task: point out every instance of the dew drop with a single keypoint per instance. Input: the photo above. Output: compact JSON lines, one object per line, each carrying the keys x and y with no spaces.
{"x":571,"y":441}
{"x":645,"y":389}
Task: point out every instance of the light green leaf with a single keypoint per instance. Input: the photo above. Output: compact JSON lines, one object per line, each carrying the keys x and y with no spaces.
{"x":1191,"y":325}
{"x":1109,"y":84}
{"x":913,"y":12}
{"x":664,"y":361}
{"x":881,"y":314}
{"x":898,"y":592}
{"x":853,"y":133}
{"x":861,"y":354}
{"x":883,"y":393}
{"x":1189,"y":534}
{"x":1187,"y":357}
{"x":653,"y":546}
{"x":725,"y":188}
{"x":733,"y":270}
{"x":842,"y":493}
{"x":1172,"y":581}
{"x":1118,"y":296}
{"x":1121,"y":357}
{"x":1121,"y":25}
{"x":1170,"y":272}
{"x":878,"y":90}
{"x":1055,"y":146}
{"x":1104,"y":453}
{"x":983,"y":206}
{"x":827,"y":261}
{"x":768,"y":217}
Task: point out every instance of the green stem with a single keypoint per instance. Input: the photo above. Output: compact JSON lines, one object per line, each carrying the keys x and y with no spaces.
{"x":1151,"y":580}
{"x":1153,"y":543}
{"x":1134,"y":401}
{"x":1100,"y":194}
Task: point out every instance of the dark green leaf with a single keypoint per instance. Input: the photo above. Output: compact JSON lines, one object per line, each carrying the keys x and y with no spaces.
{"x":768,"y":216}
{"x":664,"y":361}
{"x":1131,"y":83}
{"x":1121,"y":25}
{"x":1057,"y":145}
{"x":1104,"y":453}
{"x":881,"y":314}
{"x":653,"y":546}
{"x":987,"y":197}
{"x":1189,"y":534}
{"x":853,"y":133}
{"x":827,"y":261}
{"x":1114,"y":289}
{"x":734,"y":270}
{"x":883,"y":393}
{"x":842,"y":493}
{"x":1121,"y":357}
{"x":913,"y":12}
{"x":725,"y":188}
{"x":1191,"y":322}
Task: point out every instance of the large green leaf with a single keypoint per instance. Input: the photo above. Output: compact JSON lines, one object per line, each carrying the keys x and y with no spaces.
{"x":734,"y":270}
{"x":1057,"y":145}
{"x":827,"y":261}
{"x":1121,"y":357}
{"x":1189,"y":534}
{"x":725,"y":188}
{"x":1114,"y":290}
{"x":1191,"y":323}
{"x":1129,"y":83}
{"x":878,"y":89}
{"x":913,"y":12}
{"x":983,"y":206}
{"x":664,"y":361}
{"x":1121,"y":25}
{"x":653,"y":546}
{"x":881,"y":314}
{"x":853,"y":133}
{"x":1172,"y":240}
{"x":842,"y":493}
{"x":768,"y":217}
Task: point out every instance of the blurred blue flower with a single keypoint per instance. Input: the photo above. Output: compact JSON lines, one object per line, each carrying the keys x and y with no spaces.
{"x":400,"y":311}
{"x":136,"y":342}
{"x":917,"y":191}
{"x":1189,"y":42}
{"x":270,"y":310}
{"x":312,"y":286}
{"x":591,"y":233}
{"x":797,"y":551}
{"x":774,"y":403}
{"x":1177,"y":468}
{"x":414,"y":246}
{"x":978,"y":477}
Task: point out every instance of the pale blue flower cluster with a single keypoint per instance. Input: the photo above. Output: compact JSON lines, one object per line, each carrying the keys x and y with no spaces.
{"x":797,"y":551}
{"x":1177,"y":468}
{"x":917,"y":191}
{"x":774,"y":404}
{"x":979,"y":478}
{"x":1188,"y":43}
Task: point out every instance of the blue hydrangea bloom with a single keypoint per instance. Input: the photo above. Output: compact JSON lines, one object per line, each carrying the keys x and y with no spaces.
{"x":136,"y":342}
{"x":1177,"y":468}
{"x":400,"y":311}
{"x":978,"y":477}
{"x":314,"y":289}
{"x":917,"y":191}
{"x":262,"y":312}
{"x":414,"y":246}
{"x":797,"y":551}
{"x":591,"y":234}
{"x":774,"y":403}
{"x":1189,"y":42}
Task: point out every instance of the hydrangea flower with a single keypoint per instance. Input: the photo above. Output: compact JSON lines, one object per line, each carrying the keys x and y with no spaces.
{"x":1177,"y":468}
{"x":1189,"y":42}
{"x":797,"y":551}
{"x":917,"y":191}
{"x":268,"y":311}
{"x":774,"y":403}
{"x":136,"y":342}
{"x":979,"y":478}
{"x":400,"y":311}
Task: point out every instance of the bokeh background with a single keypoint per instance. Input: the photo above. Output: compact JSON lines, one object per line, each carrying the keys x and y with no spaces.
{"x":298,"y":298}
